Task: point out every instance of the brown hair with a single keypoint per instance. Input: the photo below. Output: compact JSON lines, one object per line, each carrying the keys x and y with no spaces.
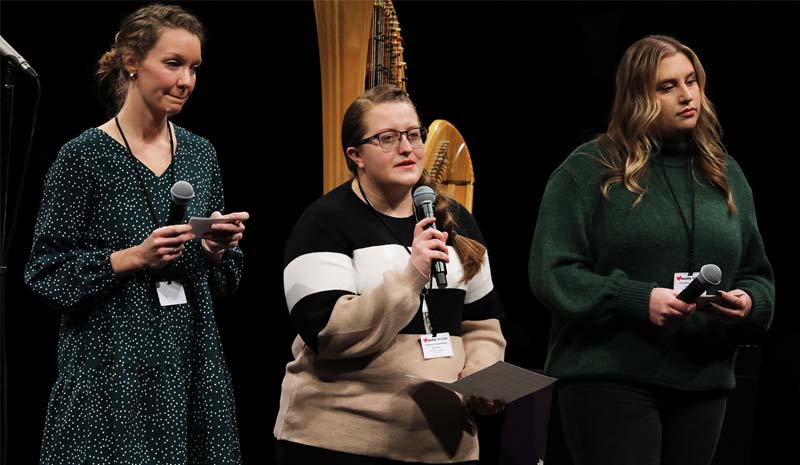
{"x":470,"y":251}
{"x":137,"y":35}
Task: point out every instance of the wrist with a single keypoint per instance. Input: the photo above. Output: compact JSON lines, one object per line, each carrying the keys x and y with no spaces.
{"x":209,"y":250}
{"x":126,"y":260}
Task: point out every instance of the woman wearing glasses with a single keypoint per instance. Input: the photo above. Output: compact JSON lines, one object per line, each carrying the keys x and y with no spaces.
{"x":360,"y":292}
{"x":624,"y":220}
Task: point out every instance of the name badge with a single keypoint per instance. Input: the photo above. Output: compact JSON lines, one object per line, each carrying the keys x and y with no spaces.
{"x":436,"y":345}
{"x":681,"y":281}
{"x":170,"y":293}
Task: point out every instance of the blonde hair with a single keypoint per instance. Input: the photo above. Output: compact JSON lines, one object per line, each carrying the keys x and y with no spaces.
{"x":624,"y":149}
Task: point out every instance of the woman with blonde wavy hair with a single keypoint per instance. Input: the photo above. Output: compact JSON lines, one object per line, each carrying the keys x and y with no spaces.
{"x":624,"y":223}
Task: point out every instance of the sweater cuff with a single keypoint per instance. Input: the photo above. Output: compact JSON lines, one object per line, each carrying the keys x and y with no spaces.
{"x":760,"y":316}
{"x":634,"y":299}
{"x":413,"y":277}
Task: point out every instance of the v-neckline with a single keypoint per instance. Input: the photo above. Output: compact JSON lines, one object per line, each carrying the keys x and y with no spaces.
{"x":140,"y":162}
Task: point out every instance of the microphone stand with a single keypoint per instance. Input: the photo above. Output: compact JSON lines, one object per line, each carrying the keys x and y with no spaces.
{"x":8,"y":94}
{"x":6,"y":239}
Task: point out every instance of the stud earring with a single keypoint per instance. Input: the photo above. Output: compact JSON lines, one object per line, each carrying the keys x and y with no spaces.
{"x":132,"y":76}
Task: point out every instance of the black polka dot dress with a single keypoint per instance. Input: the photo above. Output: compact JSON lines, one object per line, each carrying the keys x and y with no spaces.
{"x":138,"y":383}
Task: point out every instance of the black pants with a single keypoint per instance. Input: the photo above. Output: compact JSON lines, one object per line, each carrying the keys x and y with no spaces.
{"x":619,"y":423}
{"x":292,"y":453}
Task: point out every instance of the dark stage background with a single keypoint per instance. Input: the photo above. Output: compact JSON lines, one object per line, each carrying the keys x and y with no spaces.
{"x":524,"y":82}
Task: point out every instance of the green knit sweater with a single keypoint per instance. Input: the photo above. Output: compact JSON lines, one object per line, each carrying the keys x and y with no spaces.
{"x":594,"y":262}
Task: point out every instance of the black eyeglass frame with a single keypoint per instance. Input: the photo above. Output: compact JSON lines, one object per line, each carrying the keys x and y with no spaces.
{"x":423,"y":133}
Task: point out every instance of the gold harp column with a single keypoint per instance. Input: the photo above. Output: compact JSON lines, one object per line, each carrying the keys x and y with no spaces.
{"x":343,"y":30}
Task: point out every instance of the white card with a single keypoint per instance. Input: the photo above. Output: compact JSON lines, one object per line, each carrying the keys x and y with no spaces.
{"x":436,"y":346}
{"x":170,"y":293}
{"x":202,"y":226}
{"x":681,"y":281}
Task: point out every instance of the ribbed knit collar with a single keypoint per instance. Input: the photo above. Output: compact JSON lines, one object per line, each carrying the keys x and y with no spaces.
{"x":676,"y":152}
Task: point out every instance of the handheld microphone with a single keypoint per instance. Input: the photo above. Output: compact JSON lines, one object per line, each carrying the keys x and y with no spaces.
{"x":181,"y":193}
{"x":710,"y":275}
{"x":16,"y":59}
{"x":424,"y":198}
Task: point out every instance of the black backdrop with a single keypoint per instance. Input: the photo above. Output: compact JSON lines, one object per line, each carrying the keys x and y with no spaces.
{"x":524,"y":82}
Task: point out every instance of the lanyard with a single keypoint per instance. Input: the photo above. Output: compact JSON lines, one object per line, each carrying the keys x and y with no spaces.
{"x":689,"y":231}
{"x":426,"y":320}
{"x":139,"y":172}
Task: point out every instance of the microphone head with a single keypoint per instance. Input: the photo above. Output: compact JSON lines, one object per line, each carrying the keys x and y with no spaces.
{"x":711,"y":274}
{"x":181,"y":193}
{"x":423,"y":195}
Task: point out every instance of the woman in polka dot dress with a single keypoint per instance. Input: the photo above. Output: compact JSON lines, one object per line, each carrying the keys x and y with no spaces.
{"x":142,"y":378}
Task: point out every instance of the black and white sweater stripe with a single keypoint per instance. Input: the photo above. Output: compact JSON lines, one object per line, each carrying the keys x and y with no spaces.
{"x":342,"y":246}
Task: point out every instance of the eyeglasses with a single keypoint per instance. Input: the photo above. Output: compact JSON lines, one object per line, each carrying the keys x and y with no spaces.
{"x":389,"y":140}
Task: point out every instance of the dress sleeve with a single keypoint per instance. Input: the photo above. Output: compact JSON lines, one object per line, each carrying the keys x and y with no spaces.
{"x":67,"y":268}
{"x":224,"y":276}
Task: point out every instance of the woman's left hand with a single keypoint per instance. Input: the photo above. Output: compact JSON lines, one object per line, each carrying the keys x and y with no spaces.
{"x":485,"y":406}
{"x":735,"y":305}
{"x":225,"y":235}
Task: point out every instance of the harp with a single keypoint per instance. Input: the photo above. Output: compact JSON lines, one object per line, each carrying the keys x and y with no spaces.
{"x":448,"y":162}
{"x":360,"y":46}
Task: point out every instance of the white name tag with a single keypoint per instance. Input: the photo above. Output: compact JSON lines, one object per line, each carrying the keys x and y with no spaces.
{"x":680,"y":281}
{"x":170,"y":293}
{"x":436,"y":346}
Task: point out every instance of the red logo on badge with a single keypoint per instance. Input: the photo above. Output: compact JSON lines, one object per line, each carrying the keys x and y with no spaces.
{"x":424,"y":339}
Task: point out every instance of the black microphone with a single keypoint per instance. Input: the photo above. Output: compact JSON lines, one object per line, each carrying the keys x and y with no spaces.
{"x":16,"y":59}
{"x":424,"y":198}
{"x":710,"y":275}
{"x":181,"y":193}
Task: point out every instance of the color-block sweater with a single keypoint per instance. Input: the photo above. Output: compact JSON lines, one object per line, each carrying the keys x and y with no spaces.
{"x":356,"y":382}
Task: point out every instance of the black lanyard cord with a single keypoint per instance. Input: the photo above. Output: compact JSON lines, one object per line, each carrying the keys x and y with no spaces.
{"x":689,"y":230}
{"x":380,"y":217}
{"x":424,"y":292}
{"x":138,"y":170}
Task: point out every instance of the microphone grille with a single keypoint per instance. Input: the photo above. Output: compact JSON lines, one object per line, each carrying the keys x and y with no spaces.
{"x":711,"y":274}
{"x":424,"y":194}
{"x":181,"y":192}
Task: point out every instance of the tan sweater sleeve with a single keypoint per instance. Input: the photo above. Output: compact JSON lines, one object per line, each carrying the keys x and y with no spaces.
{"x":364,"y":324}
{"x":484,"y":344}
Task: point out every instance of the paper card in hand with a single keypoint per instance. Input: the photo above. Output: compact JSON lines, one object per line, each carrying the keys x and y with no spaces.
{"x":502,"y":381}
{"x":202,"y":226}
